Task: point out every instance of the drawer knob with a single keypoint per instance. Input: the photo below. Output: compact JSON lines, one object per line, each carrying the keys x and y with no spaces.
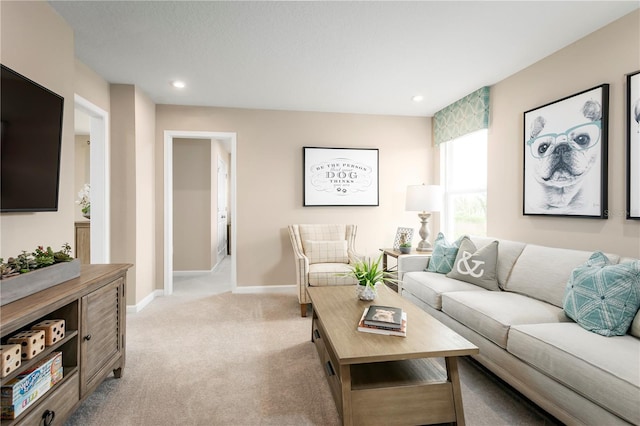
{"x":48,"y":417}
{"x":316,"y":333}
{"x":87,"y":337}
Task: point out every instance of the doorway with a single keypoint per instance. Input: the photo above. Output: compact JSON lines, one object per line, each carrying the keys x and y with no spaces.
{"x":227,"y":139}
{"x":98,"y":130}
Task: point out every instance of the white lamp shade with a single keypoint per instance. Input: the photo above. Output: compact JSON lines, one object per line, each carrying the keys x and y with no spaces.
{"x":424,"y":198}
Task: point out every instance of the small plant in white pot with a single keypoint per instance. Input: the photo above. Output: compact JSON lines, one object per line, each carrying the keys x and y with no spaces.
{"x":369,"y":274}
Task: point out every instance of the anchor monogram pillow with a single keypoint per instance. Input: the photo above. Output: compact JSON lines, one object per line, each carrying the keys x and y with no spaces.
{"x":476,"y":266}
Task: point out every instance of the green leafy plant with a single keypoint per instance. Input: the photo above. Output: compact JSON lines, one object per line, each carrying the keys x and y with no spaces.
{"x":40,"y":258}
{"x":369,"y":272}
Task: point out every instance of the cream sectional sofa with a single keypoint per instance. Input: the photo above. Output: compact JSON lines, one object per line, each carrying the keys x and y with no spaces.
{"x":527,"y":340}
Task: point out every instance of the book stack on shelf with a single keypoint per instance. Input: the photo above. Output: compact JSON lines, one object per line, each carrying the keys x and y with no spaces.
{"x":387,"y":320}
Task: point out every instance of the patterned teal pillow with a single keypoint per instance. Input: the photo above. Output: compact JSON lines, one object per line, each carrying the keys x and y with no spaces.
{"x":603,"y":297}
{"x":444,"y":254}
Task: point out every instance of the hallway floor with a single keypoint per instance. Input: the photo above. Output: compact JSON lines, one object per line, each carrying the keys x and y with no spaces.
{"x":214,"y":282}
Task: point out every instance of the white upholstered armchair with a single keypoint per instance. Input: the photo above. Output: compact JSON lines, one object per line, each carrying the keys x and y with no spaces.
{"x":322,"y":253}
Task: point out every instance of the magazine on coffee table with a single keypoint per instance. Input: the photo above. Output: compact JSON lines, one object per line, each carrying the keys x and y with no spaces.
{"x":384,"y":316}
{"x":402,"y":332}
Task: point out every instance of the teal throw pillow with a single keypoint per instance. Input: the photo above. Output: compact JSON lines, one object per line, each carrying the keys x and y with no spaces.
{"x":603,"y":297}
{"x":444,"y":254}
{"x":477,"y":266}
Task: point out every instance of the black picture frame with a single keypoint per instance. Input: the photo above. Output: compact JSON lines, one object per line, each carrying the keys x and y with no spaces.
{"x":340,"y":176}
{"x":633,"y":145}
{"x":565,"y":156}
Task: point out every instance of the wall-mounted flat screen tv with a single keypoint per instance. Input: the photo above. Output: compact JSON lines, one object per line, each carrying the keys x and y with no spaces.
{"x":30,"y":144}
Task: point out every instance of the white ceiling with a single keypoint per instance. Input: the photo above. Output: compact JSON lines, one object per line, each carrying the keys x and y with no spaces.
{"x":359,"y":57}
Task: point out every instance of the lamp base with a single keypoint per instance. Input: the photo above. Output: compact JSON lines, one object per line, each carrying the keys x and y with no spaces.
{"x":424,"y":245}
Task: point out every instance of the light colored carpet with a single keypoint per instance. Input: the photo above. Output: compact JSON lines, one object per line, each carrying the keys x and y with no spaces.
{"x":201,"y":357}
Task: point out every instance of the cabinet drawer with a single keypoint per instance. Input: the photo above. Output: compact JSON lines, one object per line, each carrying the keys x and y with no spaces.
{"x":61,"y":402}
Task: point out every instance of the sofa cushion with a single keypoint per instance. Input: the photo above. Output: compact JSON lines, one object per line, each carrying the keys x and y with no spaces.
{"x":429,"y":286}
{"x":602,"y":297}
{"x":605,"y":370}
{"x":476,"y":266}
{"x":332,"y":251}
{"x":542,"y":272}
{"x":508,"y":253}
{"x":322,"y":274}
{"x":444,"y":254}
{"x":634,"y":330}
{"x":491,"y":313}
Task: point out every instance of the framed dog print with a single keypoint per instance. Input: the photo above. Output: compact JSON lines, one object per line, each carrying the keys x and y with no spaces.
{"x":565,"y":156}
{"x":340,"y":177}
{"x":633,"y":145}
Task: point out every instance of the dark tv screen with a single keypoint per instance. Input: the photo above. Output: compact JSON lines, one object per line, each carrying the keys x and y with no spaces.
{"x":30,"y":144}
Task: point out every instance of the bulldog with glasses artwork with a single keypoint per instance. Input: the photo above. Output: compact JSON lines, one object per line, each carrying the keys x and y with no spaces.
{"x":565,"y":156}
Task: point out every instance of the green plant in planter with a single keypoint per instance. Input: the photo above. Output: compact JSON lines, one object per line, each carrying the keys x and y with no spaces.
{"x":40,"y":258}
{"x":369,"y":272}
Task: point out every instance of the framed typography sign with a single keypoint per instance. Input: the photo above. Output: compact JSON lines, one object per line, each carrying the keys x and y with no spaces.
{"x":340,"y":176}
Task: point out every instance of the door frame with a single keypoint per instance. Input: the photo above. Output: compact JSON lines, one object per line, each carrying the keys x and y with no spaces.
{"x":169,"y":136}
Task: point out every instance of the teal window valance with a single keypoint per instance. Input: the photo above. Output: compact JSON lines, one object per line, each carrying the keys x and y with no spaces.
{"x":464,"y":116}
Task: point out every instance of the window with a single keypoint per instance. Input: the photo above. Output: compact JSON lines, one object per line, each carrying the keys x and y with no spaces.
{"x":464,"y":178}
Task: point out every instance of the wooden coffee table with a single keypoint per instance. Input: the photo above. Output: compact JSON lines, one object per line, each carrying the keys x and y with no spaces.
{"x":379,"y":379}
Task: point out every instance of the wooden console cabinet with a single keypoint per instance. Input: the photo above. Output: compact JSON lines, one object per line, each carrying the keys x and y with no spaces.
{"x":93,"y":307}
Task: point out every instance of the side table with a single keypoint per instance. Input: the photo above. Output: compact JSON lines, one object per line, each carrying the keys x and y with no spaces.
{"x":395,"y":253}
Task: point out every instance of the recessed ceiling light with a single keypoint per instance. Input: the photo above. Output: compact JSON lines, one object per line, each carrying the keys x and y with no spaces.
{"x":417,"y":98}
{"x":178,"y":84}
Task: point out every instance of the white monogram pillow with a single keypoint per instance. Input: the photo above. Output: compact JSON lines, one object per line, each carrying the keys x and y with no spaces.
{"x":476,"y":266}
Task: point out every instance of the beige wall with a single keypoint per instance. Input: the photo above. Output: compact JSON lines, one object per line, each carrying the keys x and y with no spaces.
{"x":192,"y":204}
{"x":132,"y":188}
{"x":36,"y":42}
{"x":123,"y":182}
{"x":269,"y":178}
{"x":145,"y":205}
{"x":602,"y":57}
{"x":91,"y":86}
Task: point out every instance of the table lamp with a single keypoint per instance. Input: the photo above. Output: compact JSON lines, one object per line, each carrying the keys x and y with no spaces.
{"x":424,"y":199}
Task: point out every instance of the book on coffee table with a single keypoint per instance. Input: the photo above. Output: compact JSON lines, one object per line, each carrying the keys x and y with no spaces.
{"x":384,"y":316}
{"x":402,"y":331}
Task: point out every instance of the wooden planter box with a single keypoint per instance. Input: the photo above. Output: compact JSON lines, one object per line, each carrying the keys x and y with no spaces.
{"x":23,"y":285}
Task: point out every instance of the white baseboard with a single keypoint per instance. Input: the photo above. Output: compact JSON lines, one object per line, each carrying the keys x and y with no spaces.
{"x":272,"y":289}
{"x":132,"y":309}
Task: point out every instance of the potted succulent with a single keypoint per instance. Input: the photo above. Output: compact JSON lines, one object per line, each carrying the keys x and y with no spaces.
{"x":369,"y":274}
{"x":405,"y":244}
